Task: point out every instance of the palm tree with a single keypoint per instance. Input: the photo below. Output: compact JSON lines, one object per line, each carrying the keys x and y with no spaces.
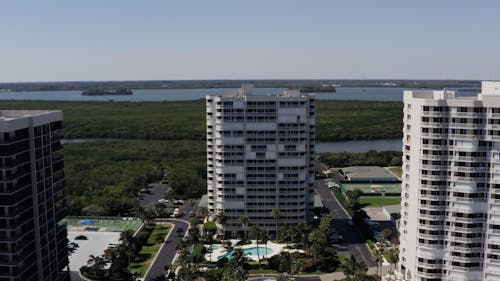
{"x":227,"y":245}
{"x":379,"y":258}
{"x":393,"y":257}
{"x":244,"y":223}
{"x":302,"y":231}
{"x":276,"y":214}
{"x":353,"y":270}
{"x":318,"y":241}
{"x":97,"y":261}
{"x":129,"y":243}
{"x":386,"y":232}
{"x":203,"y":211}
{"x":264,"y":238}
{"x":140,"y":212}
{"x":222,"y":219}
{"x":169,"y":193}
{"x":238,"y":257}
{"x":257,"y":233}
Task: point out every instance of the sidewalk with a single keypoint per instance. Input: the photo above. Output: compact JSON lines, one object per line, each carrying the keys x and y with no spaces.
{"x":340,"y":275}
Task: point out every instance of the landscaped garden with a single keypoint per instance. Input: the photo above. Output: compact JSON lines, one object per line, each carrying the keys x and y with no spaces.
{"x":300,"y":249}
{"x":130,"y":258}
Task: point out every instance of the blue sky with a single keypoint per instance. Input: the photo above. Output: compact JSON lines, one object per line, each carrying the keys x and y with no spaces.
{"x":148,"y":40}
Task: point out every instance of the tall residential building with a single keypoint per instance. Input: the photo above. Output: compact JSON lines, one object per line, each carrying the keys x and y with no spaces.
{"x":450,"y":209}
{"x":33,"y":246}
{"x":260,"y":157}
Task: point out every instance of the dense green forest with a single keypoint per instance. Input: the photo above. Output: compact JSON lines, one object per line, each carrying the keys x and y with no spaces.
{"x":104,"y":177}
{"x":336,"y":120}
{"x":370,"y":158}
{"x":358,"y":120}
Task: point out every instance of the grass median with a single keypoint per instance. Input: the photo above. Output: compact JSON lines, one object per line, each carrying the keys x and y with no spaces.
{"x":141,"y":263}
{"x":377,"y":201}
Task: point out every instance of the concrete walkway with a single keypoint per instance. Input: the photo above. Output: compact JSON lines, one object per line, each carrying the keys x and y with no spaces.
{"x":274,"y":249}
{"x":340,"y":275}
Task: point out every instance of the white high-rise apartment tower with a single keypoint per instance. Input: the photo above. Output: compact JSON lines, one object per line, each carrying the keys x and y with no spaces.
{"x":260,"y":157}
{"x":450,"y":215}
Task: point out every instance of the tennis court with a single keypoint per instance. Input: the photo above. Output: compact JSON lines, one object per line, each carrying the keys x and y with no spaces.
{"x":373,"y":188}
{"x":104,"y":224}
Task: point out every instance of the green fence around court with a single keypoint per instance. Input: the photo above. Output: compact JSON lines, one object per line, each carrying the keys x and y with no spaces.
{"x":376,"y":189}
{"x":108,"y":224}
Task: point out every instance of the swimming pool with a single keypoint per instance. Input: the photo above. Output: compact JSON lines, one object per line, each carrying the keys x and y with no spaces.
{"x":215,"y":246}
{"x":263,"y":252}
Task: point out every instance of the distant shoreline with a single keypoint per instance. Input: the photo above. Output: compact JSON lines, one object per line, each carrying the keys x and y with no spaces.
{"x":99,"y":92}
{"x":209,"y":84}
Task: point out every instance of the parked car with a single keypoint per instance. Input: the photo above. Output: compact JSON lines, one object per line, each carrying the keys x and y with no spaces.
{"x":179,"y":202}
{"x":191,"y":214}
{"x":163,"y":201}
{"x":377,"y":235}
{"x":336,"y":239}
{"x":81,"y":237}
{"x":179,"y":231}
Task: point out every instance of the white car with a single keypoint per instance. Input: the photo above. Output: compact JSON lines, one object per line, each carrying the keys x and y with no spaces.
{"x":163,"y":201}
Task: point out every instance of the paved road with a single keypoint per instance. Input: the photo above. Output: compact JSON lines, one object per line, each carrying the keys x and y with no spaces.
{"x":157,"y":193}
{"x":167,"y":253}
{"x":75,"y":276}
{"x":355,"y":242}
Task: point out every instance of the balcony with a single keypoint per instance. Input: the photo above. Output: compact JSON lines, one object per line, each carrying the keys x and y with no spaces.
{"x":430,"y":237}
{"x":432,"y":197}
{"x":469,"y":159}
{"x":436,"y":146}
{"x":466,"y":126}
{"x":432,"y":217}
{"x":466,"y":136}
{"x":434,"y":177}
{"x":425,"y":275}
{"x":435,"y":113}
{"x":434,"y":157}
{"x":468,"y":169}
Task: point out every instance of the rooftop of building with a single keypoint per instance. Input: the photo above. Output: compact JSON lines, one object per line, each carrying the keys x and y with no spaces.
{"x":368,"y":174}
{"x":7,"y":115}
{"x":11,"y":120}
{"x":488,"y":88}
{"x":246,"y":91}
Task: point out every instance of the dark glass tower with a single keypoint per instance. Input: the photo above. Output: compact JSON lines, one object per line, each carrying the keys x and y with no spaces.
{"x":33,"y":246}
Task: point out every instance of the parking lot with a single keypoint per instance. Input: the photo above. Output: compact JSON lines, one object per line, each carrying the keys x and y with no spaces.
{"x":149,"y":200}
{"x":95,"y":245}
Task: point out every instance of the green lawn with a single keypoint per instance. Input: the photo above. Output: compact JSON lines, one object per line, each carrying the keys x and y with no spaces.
{"x":146,"y":255}
{"x":396,"y":170}
{"x":377,"y":201}
{"x":262,"y":271}
{"x":342,"y":259}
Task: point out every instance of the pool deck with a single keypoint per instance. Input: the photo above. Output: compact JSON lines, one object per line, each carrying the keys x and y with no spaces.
{"x":275,"y":247}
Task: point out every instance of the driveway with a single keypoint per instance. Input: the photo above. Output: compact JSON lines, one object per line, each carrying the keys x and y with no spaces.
{"x":169,"y":249}
{"x":355,"y":243}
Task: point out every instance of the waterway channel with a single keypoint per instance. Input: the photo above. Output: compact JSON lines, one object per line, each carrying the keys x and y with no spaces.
{"x":321,"y":147}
